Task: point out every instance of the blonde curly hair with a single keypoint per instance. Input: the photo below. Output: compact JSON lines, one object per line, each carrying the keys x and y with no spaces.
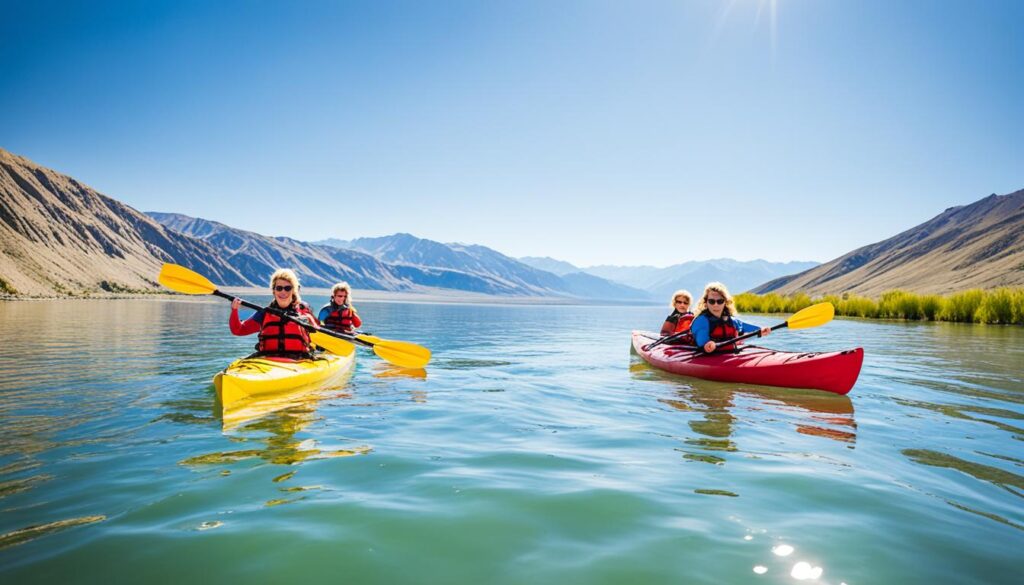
{"x":345,"y":287}
{"x":289,"y":275}
{"x":680,"y":294}
{"x":730,"y":304}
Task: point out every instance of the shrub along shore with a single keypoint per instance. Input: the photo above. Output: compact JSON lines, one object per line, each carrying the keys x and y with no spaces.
{"x":997,"y":306}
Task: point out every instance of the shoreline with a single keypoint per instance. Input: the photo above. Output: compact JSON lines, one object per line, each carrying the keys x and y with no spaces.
{"x":432,"y":296}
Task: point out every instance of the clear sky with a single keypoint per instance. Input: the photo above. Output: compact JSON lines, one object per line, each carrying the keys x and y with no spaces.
{"x":593,"y":132}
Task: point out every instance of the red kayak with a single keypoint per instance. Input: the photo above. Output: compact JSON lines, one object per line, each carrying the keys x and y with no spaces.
{"x":834,"y":371}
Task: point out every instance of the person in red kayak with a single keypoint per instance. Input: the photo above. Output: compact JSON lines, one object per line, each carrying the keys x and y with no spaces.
{"x":340,"y":314}
{"x":716,"y":320}
{"x":279,"y":337}
{"x":680,"y":319}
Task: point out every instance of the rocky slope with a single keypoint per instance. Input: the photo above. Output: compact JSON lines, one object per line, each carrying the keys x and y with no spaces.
{"x":61,"y":237}
{"x":980,"y":245}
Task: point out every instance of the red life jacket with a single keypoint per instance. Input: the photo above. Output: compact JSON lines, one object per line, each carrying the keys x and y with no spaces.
{"x":721,"y":330}
{"x":278,"y":335}
{"x":340,"y":319}
{"x":683,"y":324}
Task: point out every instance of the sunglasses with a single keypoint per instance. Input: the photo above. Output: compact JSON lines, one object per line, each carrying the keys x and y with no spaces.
{"x":286,"y":288}
{"x":683,"y":301}
{"x":715,"y":301}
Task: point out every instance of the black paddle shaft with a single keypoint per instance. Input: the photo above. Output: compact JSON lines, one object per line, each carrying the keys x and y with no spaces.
{"x":727,"y":342}
{"x":283,"y":315}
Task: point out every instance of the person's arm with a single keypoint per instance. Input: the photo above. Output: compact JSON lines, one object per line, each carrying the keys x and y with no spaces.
{"x":247,"y":327}
{"x":750,"y":328}
{"x":324,"y":313}
{"x":356,"y":321}
{"x":667,"y":327}
{"x":701,"y":332}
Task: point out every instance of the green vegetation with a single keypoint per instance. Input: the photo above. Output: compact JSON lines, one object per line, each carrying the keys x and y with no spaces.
{"x":6,"y":288}
{"x":998,"y":306}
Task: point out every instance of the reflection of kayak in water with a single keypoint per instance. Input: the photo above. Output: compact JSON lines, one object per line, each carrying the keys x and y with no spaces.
{"x":834,"y":371}
{"x":823,"y":414}
{"x":256,"y":377}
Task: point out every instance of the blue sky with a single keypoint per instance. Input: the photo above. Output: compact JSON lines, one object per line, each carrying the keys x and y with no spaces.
{"x":594,"y":132}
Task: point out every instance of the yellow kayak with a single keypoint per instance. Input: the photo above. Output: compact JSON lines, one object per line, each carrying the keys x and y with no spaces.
{"x":259,"y":376}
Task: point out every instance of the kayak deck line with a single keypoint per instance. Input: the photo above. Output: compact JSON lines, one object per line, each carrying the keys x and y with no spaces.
{"x":263,"y":364}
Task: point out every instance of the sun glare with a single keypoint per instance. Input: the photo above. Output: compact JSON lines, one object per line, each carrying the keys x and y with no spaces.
{"x":763,"y":6}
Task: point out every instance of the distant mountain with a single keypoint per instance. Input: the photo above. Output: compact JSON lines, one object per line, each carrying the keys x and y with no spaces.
{"x":662,"y":282}
{"x":980,"y":245}
{"x":61,"y":237}
{"x":334,"y":242}
{"x":549,"y":264}
{"x":256,"y":256}
{"x":738,"y":276}
{"x":483,"y":261}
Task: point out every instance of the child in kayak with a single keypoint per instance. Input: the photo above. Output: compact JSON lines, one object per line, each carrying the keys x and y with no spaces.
{"x":340,"y":314}
{"x":716,"y":320}
{"x":278,"y":337}
{"x":680,"y":319}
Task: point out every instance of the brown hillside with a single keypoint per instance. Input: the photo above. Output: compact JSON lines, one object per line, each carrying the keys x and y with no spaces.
{"x":61,"y":237}
{"x":980,"y":245}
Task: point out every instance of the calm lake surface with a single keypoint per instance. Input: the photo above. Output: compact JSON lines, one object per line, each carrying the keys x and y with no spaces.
{"x":535,"y":450}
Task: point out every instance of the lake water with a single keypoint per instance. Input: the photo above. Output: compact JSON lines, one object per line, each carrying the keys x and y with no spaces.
{"x":535,"y":450}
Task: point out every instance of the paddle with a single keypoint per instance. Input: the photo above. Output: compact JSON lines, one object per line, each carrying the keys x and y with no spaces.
{"x":400,"y":353}
{"x":806,"y":318}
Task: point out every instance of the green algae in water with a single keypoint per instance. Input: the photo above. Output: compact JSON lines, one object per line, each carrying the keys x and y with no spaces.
{"x":461,"y":364}
{"x":988,"y":515}
{"x":717,"y":493}
{"x":26,"y":534}
{"x":713,"y":444}
{"x":15,"y":486}
{"x":283,"y":477}
{"x":987,"y":473}
{"x":224,"y":457}
{"x":714,"y":425}
{"x":282,"y":501}
{"x":704,"y":458}
{"x":184,"y":418}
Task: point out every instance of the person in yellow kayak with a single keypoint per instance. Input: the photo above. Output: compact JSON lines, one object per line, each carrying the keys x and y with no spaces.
{"x":279,"y":337}
{"x":340,"y":314}
{"x":680,"y":319}
{"x":716,"y":320}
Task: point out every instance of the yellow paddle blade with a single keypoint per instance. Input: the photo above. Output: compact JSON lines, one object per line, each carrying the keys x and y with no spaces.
{"x":402,"y":353}
{"x":332,"y":344}
{"x":369,"y":338}
{"x":183,"y":280}
{"x":812,"y":316}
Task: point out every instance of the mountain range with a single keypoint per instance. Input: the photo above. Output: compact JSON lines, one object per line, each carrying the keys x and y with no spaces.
{"x":61,"y":237}
{"x":980,"y":245}
{"x":662,"y":282}
{"x":401,"y":262}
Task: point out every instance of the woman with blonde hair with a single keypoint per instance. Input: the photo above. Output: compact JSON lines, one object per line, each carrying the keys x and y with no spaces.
{"x":340,"y":314}
{"x":716,"y":320}
{"x":279,"y":337}
{"x":680,"y":319}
